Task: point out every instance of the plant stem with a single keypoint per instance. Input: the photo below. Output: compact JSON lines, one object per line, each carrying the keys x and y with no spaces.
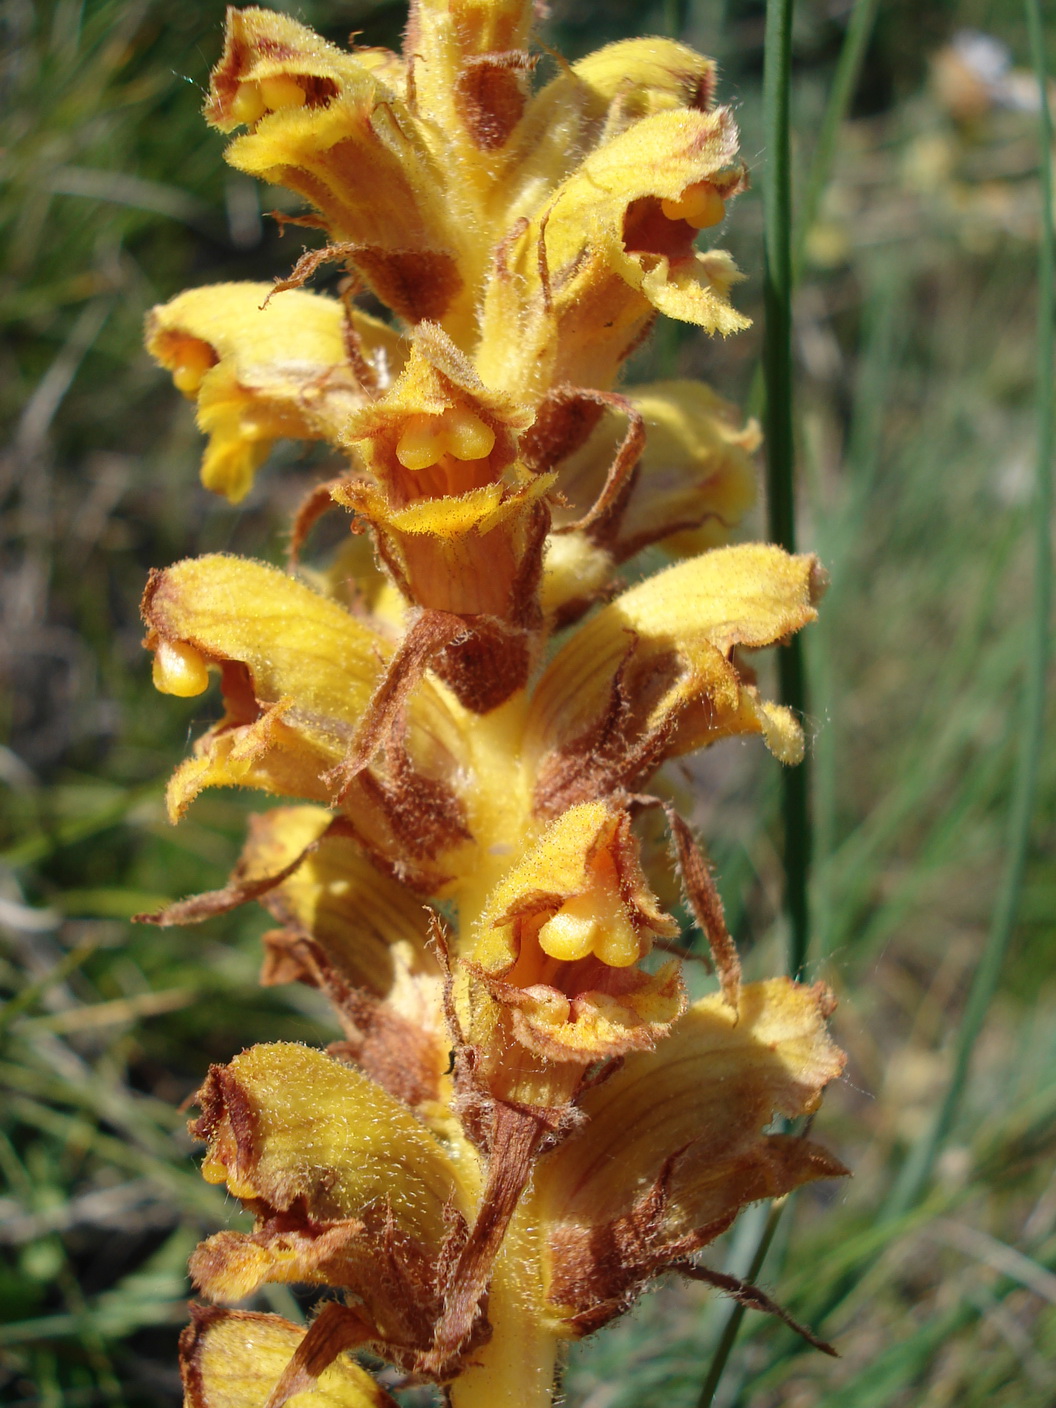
{"x":918,"y":1168}
{"x":782,"y":273}
{"x":518,"y":1364}
{"x":780,"y":469}
{"x":780,"y":442}
{"x":675,"y":15}
{"x":737,"y":1311}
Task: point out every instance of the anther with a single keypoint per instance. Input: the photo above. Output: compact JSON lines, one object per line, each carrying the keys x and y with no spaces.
{"x":468,"y":438}
{"x":459,"y":433}
{"x":254,"y":99}
{"x":595,"y":922}
{"x":570,"y":933}
{"x":700,"y":205}
{"x":179,"y":669}
{"x":281,"y":92}
{"x":247,"y":104}
{"x":421,"y":444}
{"x":193,"y":361}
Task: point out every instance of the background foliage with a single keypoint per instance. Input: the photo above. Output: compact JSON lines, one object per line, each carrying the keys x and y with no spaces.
{"x":917,"y":420}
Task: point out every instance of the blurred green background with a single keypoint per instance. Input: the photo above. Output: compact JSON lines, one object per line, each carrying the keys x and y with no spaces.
{"x":917,"y":422}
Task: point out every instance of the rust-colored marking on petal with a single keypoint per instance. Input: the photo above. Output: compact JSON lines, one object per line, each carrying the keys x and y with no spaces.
{"x":318,"y":501}
{"x":563,"y":423}
{"x":647,"y":230}
{"x":232,"y":1358}
{"x":602,"y":518}
{"x":202,"y":1317}
{"x":415,"y":283}
{"x":490,"y":96}
{"x":402,"y":1056}
{"x":598,"y":1271}
{"x":427,"y":638}
{"x":307,"y":264}
{"x":485,"y":663}
{"x":222,"y":1095}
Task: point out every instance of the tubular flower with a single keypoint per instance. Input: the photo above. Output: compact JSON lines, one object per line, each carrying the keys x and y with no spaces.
{"x":521,"y":1120}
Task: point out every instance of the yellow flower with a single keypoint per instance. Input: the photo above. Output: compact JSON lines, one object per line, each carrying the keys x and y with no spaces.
{"x":516,"y":818}
{"x":348,"y":1191}
{"x":672,"y":1147}
{"x":554,"y":964}
{"x":653,"y":675}
{"x":420,"y":169}
{"x":297,"y":367}
{"x":298,"y":671}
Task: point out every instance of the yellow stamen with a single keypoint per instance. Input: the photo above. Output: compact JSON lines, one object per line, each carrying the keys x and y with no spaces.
{"x":572,"y":931}
{"x":239,"y":1188}
{"x":214,"y":1170}
{"x":195,"y":359}
{"x":468,"y":438}
{"x":595,"y":922}
{"x":426,"y":439}
{"x":273,"y":94}
{"x":700,"y":205}
{"x":421,"y":444}
{"x":281,"y":91}
{"x":618,"y":944}
{"x":179,"y":669}
{"x":247,"y":104}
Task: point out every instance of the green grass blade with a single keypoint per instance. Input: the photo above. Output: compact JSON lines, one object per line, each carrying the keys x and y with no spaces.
{"x":45,"y":842}
{"x":780,"y":470}
{"x":736,"y":1313}
{"x":780,"y":443}
{"x":32,"y":993}
{"x":899,"y":1365}
{"x":848,"y":67}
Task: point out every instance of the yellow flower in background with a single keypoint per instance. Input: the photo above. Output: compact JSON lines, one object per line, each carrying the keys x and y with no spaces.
{"x":465,"y":714}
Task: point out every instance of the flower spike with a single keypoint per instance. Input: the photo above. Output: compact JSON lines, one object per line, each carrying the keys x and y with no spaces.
{"x":520,"y":1120}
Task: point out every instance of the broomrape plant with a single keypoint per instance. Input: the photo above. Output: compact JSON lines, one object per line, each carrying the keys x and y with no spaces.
{"x":523,"y":1122}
